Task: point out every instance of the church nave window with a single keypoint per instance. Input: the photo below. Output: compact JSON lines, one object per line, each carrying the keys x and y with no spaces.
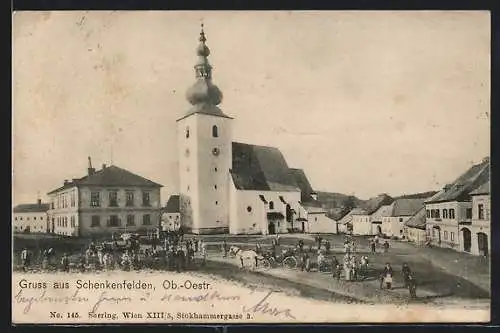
{"x":215,"y":186}
{"x":271,"y":205}
{"x":215,"y":131}
{"x":187,"y":132}
{"x":216,"y":203}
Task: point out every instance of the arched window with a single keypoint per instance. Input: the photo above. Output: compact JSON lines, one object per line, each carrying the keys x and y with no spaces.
{"x":215,"y":131}
{"x":271,"y":205}
{"x":187,"y":132}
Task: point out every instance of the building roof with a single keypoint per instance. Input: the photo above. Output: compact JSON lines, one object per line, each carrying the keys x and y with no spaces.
{"x":461,"y":188}
{"x":373,"y":204}
{"x":348,"y":217}
{"x":306,"y":190}
{"x":109,"y":176}
{"x":314,"y":209}
{"x":383,"y":211}
{"x":32,"y":208}
{"x":418,"y":220}
{"x":261,"y":168}
{"x":407,"y":207}
{"x":483,"y":189}
{"x":173,"y":204}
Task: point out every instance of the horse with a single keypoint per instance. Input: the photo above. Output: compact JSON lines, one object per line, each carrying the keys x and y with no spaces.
{"x":242,"y":255}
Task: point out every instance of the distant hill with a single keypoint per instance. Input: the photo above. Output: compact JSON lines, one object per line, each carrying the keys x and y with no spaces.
{"x":338,"y":204}
{"x":422,"y":195}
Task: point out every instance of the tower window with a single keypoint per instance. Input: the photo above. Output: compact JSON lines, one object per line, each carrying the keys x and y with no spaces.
{"x":271,"y":205}
{"x":215,"y":169}
{"x":249,"y":209}
{"x":215,"y":186}
{"x":187,"y":132}
{"x":216,"y":202}
{"x":215,"y":132}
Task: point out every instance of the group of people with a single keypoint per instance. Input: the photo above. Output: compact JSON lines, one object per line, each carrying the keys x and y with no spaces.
{"x":374,"y":242}
{"x":409,"y":282}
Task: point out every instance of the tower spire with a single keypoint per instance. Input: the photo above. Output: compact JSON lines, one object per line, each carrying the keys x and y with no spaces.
{"x":203,"y":93}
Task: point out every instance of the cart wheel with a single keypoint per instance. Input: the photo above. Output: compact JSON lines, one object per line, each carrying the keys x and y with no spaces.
{"x":266,"y":265}
{"x":290,"y":262}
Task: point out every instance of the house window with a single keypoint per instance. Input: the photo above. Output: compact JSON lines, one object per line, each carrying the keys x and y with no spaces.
{"x":249,"y":209}
{"x":129,"y":198}
{"x":271,"y":205}
{"x":51,"y":205}
{"x":433,"y":233}
{"x":187,"y":132}
{"x":130,"y":220}
{"x":95,"y":200}
{"x":480,"y":212}
{"x":437,"y":213}
{"x":34,"y":218}
{"x":146,"y":219}
{"x":215,"y":186}
{"x":468,"y":213}
{"x":21,"y":218}
{"x":15,"y":218}
{"x":113,"y":199}
{"x":445,"y":214}
{"x":73,"y":223}
{"x":215,"y":132}
{"x":73,"y":199}
{"x":113,"y":221}
{"x":216,"y":203}
{"x":145,"y":199}
{"x":445,"y":235}
{"x":451,"y":213}
{"x":452,"y":236}
{"x":428,"y":212}
{"x":215,"y":169}
{"x":400,"y":219}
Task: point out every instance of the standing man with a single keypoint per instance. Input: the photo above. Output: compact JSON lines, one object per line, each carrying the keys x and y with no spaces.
{"x":387,"y":275}
{"x":412,"y":287}
{"x":65,"y":263}
{"x":224,"y":247}
{"x":336,"y":268}
{"x":386,"y":247}
{"x":25,"y":258}
{"x":406,"y":275}
{"x":373,"y":245}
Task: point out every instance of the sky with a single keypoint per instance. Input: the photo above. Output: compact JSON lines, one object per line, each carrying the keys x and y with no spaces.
{"x":364,"y":102}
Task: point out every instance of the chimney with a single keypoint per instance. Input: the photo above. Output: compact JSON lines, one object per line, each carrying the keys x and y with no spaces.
{"x":90,"y":169}
{"x":104,"y":166}
{"x":66,"y":182}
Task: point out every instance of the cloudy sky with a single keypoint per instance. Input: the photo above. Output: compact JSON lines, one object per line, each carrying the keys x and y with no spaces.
{"x":364,"y":102}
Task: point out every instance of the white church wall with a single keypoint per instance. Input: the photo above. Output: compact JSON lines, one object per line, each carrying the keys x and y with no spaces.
{"x":249,"y":212}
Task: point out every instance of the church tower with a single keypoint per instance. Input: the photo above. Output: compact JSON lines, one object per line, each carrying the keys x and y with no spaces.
{"x":205,"y":153}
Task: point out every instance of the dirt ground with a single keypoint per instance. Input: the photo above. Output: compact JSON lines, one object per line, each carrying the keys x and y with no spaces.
{"x":444,"y":277}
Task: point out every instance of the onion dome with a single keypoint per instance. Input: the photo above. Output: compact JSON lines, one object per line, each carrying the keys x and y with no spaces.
{"x":203,"y":93}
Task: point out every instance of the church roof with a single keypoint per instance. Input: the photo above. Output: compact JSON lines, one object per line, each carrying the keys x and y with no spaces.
{"x":305,"y":187}
{"x":109,"y":176}
{"x":261,"y":168}
{"x":173,"y":204}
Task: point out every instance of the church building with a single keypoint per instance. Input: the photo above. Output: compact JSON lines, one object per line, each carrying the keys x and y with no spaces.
{"x":226,"y":186}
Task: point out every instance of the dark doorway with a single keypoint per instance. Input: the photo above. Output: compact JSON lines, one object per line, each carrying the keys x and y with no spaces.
{"x":303,"y":227}
{"x":466,"y":235}
{"x":271,"y":228}
{"x":379,"y":230}
{"x":482,"y":243}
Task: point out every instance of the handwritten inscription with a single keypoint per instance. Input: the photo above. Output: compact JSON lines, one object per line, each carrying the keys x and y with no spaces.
{"x":265,"y":307}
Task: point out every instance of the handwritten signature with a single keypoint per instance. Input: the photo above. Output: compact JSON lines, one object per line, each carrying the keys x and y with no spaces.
{"x":28,"y":301}
{"x":265,"y":307}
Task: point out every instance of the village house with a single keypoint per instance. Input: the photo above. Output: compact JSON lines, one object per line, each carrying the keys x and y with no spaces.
{"x":30,"y":218}
{"x":228,"y":186}
{"x":110,"y":200}
{"x":345,"y":224}
{"x":378,"y":216}
{"x":481,"y":220}
{"x":171,"y":216}
{"x":414,"y":228}
{"x":361,"y":224}
{"x":402,"y":210}
{"x":449,"y":214}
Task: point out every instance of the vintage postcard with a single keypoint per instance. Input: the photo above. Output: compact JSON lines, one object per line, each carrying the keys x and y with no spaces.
{"x":251,"y":167}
